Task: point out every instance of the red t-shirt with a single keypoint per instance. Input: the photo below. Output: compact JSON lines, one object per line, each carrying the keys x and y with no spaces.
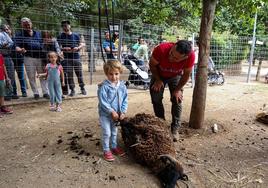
{"x":2,"y":71}
{"x":169,"y":69}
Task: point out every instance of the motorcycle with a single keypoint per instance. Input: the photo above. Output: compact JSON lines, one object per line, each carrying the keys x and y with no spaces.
{"x":216,"y":78}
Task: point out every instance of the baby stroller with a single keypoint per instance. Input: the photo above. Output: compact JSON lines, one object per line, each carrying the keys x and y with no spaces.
{"x":137,"y":76}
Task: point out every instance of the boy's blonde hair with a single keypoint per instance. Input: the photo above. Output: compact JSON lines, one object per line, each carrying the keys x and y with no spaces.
{"x":111,"y":65}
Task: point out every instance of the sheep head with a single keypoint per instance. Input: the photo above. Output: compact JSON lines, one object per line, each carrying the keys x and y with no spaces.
{"x":172,"y":172}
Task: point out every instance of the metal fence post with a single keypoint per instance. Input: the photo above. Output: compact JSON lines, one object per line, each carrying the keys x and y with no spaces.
{"x":120,"y":39}
{"x":91,"y":56}
{"x":252,"y":49}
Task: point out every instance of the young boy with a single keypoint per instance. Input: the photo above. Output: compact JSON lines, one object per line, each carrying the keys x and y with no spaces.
{"x":112,"y":95}
{"x":3,"y":81}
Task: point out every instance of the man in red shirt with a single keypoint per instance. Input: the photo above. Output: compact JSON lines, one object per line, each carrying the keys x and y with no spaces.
{"x":171,"y":63}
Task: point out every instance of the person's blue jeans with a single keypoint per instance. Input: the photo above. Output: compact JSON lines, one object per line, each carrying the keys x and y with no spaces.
{"x":19,"y":68}
{"x":109,"y":133}
{"x":10,"y":72}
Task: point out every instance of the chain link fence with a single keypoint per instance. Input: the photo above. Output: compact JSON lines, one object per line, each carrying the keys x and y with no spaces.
{"x":229,"y":53}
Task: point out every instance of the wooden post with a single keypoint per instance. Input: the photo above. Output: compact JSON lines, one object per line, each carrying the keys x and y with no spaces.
{"x":259,"y":70}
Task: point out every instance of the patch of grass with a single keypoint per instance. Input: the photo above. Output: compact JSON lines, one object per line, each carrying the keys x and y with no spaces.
{"x":258,"y":88}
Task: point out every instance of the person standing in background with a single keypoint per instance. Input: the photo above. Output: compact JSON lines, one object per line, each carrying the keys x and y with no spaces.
{"x":54,"y":72}
{"x":70,"y":44}
{"x":6,"y":45}
{"x":142,"y":53}
{"x":109,"y":46}
{"x":3,"y":81}
{"x":29,"y":42}
{"x":18,"y":61}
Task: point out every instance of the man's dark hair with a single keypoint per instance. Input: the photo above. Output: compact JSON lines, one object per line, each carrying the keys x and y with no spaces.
{"x":65,"y":22}
{"x":184,"y":47}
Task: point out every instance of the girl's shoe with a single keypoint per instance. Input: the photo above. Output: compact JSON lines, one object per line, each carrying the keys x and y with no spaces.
{"x":118,"y":151}
{"x":59,"y":109}
{"x":6,"y":110}
{"x":108,"y":156}
{"x":52,"y":108}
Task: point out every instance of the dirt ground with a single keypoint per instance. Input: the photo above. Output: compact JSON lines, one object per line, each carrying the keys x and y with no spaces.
{"x":48,"y":149}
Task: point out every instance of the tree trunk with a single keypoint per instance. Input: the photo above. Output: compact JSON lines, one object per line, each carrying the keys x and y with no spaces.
{"x":200,"y":89}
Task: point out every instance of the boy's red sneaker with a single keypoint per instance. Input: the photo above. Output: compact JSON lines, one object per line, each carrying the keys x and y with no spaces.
{"x":108,"y":156}
{"x":6,"y":110}
{"x":118,"y":151}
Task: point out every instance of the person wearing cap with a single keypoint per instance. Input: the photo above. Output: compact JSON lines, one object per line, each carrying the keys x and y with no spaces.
{"x":70,"y":44}
{"x":29,"y":43}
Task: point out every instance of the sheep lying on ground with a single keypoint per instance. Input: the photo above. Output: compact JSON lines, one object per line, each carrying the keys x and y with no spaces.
{"x":148,"y":140}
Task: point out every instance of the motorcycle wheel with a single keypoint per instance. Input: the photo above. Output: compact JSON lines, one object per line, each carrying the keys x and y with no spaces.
{"x":127,"y":84}
{"x":212,"y":79}
{"x":220,"y":79}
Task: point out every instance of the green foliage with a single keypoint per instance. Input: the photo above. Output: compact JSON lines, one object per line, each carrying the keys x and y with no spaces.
{"x":174,"y":33}
{"x":228,"y":49}
{"x":236,"y":17}
{"x":135,"y":28}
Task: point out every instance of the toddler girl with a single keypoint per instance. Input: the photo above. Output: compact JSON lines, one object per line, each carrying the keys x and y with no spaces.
{"x":53,"y":73}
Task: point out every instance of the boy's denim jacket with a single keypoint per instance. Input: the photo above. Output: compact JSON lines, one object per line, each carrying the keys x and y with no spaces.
{"x":112,"y":98}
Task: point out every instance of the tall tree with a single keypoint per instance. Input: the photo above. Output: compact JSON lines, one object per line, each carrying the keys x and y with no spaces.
{"x":200,"y":89}
{"x":8,"y":7}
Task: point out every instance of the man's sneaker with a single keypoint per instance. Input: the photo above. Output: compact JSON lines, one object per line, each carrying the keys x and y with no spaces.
{"x":118,"y":151}
{"x":24,"y":95}
{"x":15,"y":97}
{"x":84,"y":92}
{"x":36,"y":96}
{"x":7,"y":98}
{"x":108,"y":156}
{"x":6,"y":110}
{"x":72,"y":93}
{"x":46,"y":96}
